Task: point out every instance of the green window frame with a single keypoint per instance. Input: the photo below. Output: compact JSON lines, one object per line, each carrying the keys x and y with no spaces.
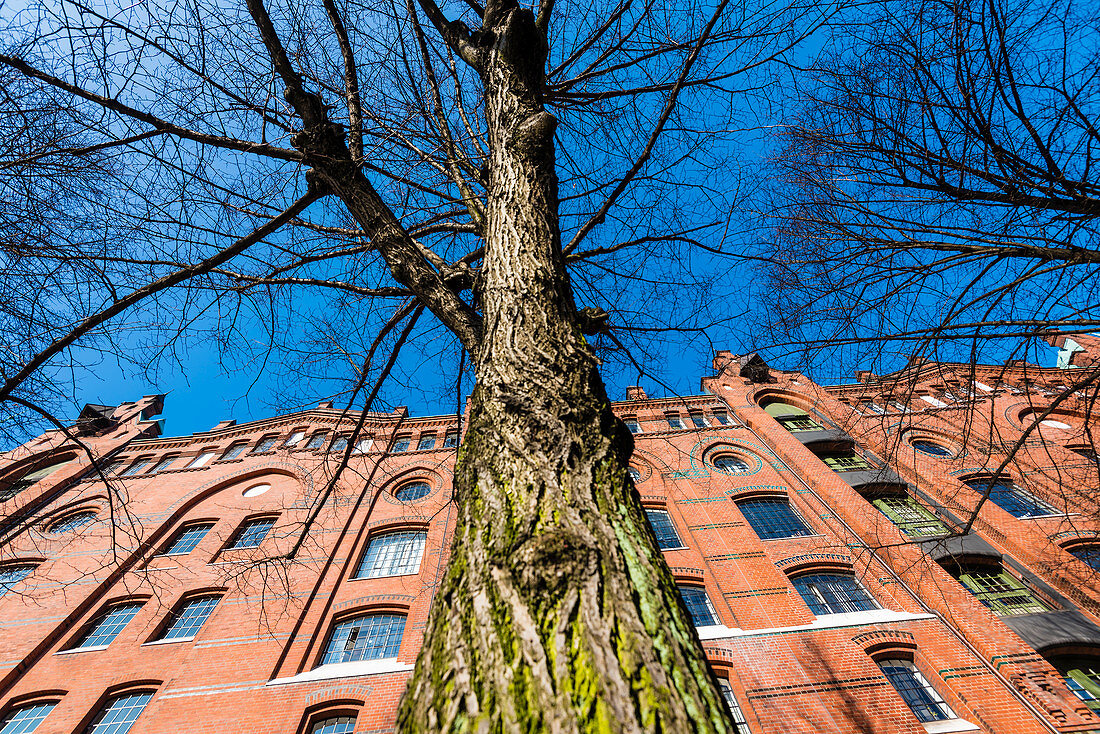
{"x":847,"y":462}
{"x":791,"y":418}
{"x":1082,"y":676}
{"x":910,"y":516}
{"x":1001,"y":592}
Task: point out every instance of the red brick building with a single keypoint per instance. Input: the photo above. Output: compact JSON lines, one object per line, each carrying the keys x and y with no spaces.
{"x":824,"y":537}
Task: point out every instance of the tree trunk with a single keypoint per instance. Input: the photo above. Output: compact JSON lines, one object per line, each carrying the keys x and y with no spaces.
{"x":557,"y":612}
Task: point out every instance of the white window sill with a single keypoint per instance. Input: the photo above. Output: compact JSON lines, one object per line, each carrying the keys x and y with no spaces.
{"x":386,"y":576}
{"x":346,"y":670}
{"x":74,"y":650}
{"x":852,"y":619}
{"x":943,"y":727}
{"x":169,"y":641}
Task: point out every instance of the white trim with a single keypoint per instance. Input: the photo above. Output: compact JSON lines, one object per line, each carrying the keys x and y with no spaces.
{"x":345,"y":670}
{"x":828,"y":621}
{"x":942,"y":727}
{"x":168,"y":641}
{"x":73,"y":650}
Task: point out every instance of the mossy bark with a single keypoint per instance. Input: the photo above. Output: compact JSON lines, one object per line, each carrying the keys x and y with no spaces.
{"x":557,"y":612}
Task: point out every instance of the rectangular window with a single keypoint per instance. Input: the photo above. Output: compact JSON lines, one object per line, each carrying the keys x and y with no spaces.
{"x":295,"y":439}
{"x":918,"y":694}
{"x":698,"y":420}
{"x":663,"y":528}
{"x":934,"y":402}
{"x":846,"y":462}
{"x":833,"y":593}
{"x":401,"y":445}
{"x":164,"y":463}
{"x":317,"y":440}
{"x":1001,"y":592}
{"x":674,"y":421}
{"x":910,"y":516}
{"x":339,"y":445}
{"x":201,"y":460}
{"x":139,"y":463}
{"x":800,"y":423}
{"x":1012,"y":499}
{"x":632,"y":425}
{"x":234,"y":451}
{"x":721,"y":417}
{"x":252,"y":533}
{"x":740,"y":726}
{"x":450,"y":440}
{"x":186,"y":621}
{"x":698,"y":606}
{"x":362,"y":446}
{"x":392,"y":554}
{"x":902,"y":407}
{"x":773,"y":517}
{"x":265,"y":444}
{"x":869,"y":406}
{"x":426,"y":442}
{"x":187,"y":539}
{"x":106,"y":629}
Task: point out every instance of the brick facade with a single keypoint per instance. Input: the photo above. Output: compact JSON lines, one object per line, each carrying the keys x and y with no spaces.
{"x":813,"y":467}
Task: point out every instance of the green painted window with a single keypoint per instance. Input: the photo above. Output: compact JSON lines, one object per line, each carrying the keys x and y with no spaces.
{"x":1082,"y":676}
{"x":792,"y":418}
{"x":846,"y":462}
{"x":1001,"y":592}
{"x":910,"y":516}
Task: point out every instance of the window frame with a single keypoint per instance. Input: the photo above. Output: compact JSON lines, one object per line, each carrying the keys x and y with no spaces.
{"x":745,"y":466}
{"x":1012,"y":498}
{"x":92,"y":628}
{"x":649,"y":512}
{"x":137,"y":466}
{"x":921,"y":517}
{"x":1013,"y":599}
{"x":388,"y":614}
{"x":95,"y":718}
{"x":201,"y":459}
{"x":380,"y":535}
{"x":733,"y":707}
{"x":411,"y":483}
{"x":426,"y":442}
{"x":826,"y":600}
{"x":933,"y":702}
{"x":164,"y":463}
{"x":177,"y":613}
{"x":265,"y":444}
{"x":29,"y":566}
{"x":781,"y":532}
{"x":245,"y":526}
{"x":233,"y":451}
{"x":54,"y":526}
{"x":25,"y":705}
{"x":183,"y":530}
{"x":707,"y":605}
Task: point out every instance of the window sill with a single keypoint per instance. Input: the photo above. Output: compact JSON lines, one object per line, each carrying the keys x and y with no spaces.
{"x":386,"y":576}
{"x":943,"y":727}
{"x":168,"y":642}
{"x":828,"y":621}
{"x":74,"y":650}
{"x":345,"y":670}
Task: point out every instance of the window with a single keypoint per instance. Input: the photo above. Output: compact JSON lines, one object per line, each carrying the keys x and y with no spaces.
{"x":450,"y":440}
{"x":698,"y":420}
{"x":833,"y":593}
{"x":850,"y":461}
{"x":26,"y":719}
{"x":934,"y":402}
{"x":869,"y":406}
{"x":107,"y":627}
{"x":339,"y":445}
{"x":900,"y":407}
{"x":721,"y":418}
{"x":119,"y":714}
{"x":317,"y":440}
{"x":674,"y":421}
{"x":295,"y":439}
{"x":392,"y":554}
{"x":252,"y":533}
{"x":698,"y":606}
{"x":1088,"y":452}
{"x":187,"y":539}
{"x":916,"y":691}
{"x":635,"y":475}
{"x":29,"y":480}
{"x":663,"y":528}
{"x":928,"y":447}
{"x":426,"y":442}
{"x":332,"y":725}
{"x":910,"y":516}
{"x":139,"y":463}
{"x":1087,"y":554}
{"x":164,"y":463}
{"x":265,"y":444}
{"x":201,"y":460}
{"x":1081,"y":674}
{"x":1003,"y":593}
{"x":1012,"y":499}
{"x":12,"y":575}
{"x":773,"y":517}
{"x":73,"y":522}
{"x":187,"y":620}
{"x":370,"y":637}
{"x":731,"y":464}
{"x":792,"y":418}
{"x":401,"y":445}
{"x":234,"y":451}
{"x":632,"y":425}
{"x":411,"y":492}
{"x":740,"y":726}
{"x":362,"y":446}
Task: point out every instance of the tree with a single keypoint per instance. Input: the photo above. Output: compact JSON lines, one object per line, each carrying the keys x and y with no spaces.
{"x":417,"y":161}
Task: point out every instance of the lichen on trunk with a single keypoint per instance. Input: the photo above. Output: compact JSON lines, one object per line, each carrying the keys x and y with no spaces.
{"x":557,"y":612}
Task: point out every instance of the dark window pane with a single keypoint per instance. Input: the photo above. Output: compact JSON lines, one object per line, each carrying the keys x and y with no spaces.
{"x":188,"y":538}
{"x":372,"y":637}
{"x":109,"y":625}
{"x":918,"y":693}
{"x":773,"y":518}
{"x":698,"y":606}
{"x":189,"y":619}
{"x":663,"y":529}
{"x":1012,"y":499}
{"x":253,"y":533}
{"x":833,"y":593}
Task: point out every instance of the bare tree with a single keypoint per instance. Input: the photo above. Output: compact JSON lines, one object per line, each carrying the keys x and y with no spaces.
{"x":469,"y":163}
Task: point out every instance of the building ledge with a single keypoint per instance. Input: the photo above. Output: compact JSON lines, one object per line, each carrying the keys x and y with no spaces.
{"x":828,"y":621}
{"x":345,"y":670}
{"x":943,"y":727}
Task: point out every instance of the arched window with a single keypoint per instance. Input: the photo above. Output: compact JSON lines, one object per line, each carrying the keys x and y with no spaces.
{"x":1082,"y":676}
{"x":997,"y":589}
{"x":106,"y":627}
{"x":792,"y":418}
{"x":252,"y":533}
{"x":12,"y":575}
{"x":119,"y":713}
{"x":188,"y":618}
{"x":918,"y":694}
{"x":26,"y":719}
{"x":392,"y":554}
{"x":1011,"y":498}
{"x":773,"y":517}
{"x":413,"y":491}
{"x":1088,"y":554}
{"x":731,"y":464}
{"x":187,"y":538}
{"x":930,"y":447}
{"x":833,"y":593}
{"x":911,"y":517}
{"x":634,"y":474}
{"x":368,"y":637}
{"x":73,"y":522}
{"x":740,"y":726}
{"x":30,"y":479}
{"x":334,"y":725}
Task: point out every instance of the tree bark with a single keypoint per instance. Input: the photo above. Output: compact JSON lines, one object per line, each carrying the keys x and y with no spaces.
{"x":557,"y":612}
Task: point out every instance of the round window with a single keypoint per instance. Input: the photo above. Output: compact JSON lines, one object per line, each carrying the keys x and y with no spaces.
{"x":256,"y":490}
{"x":414,"y":491}
{"x":634,"y":474}
{"x":731,"y":464}
{"x":928,"y":447}
{"x":73,"y":522}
